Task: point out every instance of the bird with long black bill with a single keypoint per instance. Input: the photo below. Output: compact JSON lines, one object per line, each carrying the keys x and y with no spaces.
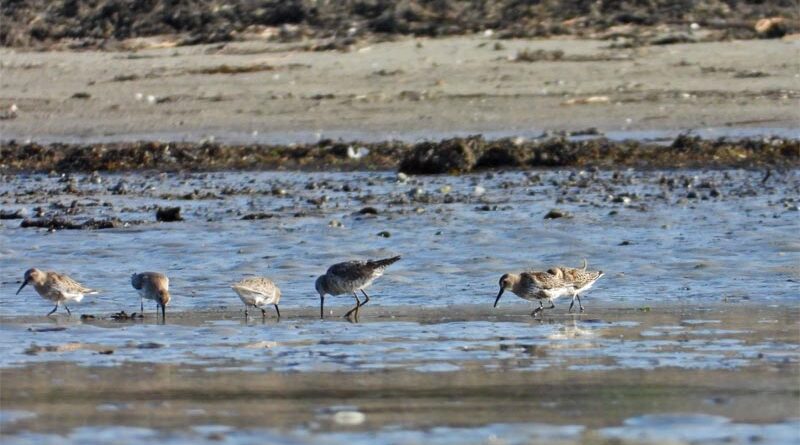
{"x":349,"y":277}
{"x":55,"y":287}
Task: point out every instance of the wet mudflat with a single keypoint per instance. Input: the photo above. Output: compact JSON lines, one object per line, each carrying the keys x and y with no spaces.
{"x":694,"y":324}
{"x":409,"y":375}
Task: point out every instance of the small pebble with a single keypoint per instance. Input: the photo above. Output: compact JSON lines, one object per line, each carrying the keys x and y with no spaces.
{"x":556,"y":213}
{"x":349,"y":418}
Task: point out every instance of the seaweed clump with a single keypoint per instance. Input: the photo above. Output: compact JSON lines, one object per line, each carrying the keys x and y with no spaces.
{"x":450,"y":156}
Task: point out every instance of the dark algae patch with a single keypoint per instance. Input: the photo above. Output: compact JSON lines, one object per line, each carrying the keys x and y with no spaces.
{"x":455,"y":156}
{"x":101,"y":23}
{"x":58,"y":223}
{"x":448,"y":156}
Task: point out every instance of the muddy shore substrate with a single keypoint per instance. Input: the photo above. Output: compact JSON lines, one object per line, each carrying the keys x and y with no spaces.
{"x":455,"y":156}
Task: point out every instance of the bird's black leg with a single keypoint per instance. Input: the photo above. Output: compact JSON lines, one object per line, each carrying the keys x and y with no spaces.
{"x":51,"y":312}
{"x":572,"y":303}
{"x":245,"y":312}
{"x":580,"y":305}
{"x":278,"y":311}
{"x":358,"y":305}
{"x":538,"y":309}
{"x":366,"y":297}
{"x":552,"y":305}
{"x":321,"y":305}
{"x":263,"y":313}
{"x":68,"y":311}
{"x":141,"y":305}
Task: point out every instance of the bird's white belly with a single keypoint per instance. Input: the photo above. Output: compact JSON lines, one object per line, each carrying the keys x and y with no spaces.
{"x":148,"y":296}
{"x":584,"y":288}
{"x":545,"y":294}
{"x":552,"y":294}
{"x":58,"y":296}
{"x":71,"y":296}
{"x":257,"y":299}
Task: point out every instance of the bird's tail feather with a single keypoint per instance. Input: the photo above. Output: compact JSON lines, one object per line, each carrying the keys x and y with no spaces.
{"x":386,"y":262}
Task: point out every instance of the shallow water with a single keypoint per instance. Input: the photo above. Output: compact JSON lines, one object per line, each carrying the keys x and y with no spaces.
{"x":656,"y":245}
{"x":405,"y":338}
{"x":673,"y":429}
{"x":457,"y":374}
{"x":694,"y":323}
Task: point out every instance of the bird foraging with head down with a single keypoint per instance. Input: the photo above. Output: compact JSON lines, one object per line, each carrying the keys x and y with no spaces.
{"x":349,"y":277}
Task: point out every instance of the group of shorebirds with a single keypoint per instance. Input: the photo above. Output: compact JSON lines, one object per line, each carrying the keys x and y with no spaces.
{"x":341,"y":278}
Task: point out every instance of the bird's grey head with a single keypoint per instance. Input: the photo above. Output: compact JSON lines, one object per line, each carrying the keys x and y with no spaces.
{"x":163,"y":296}
{"x":136,"y":281}
{"x":507,"y":282}
{"x":34,"y":276}
{"x":319,"y":285}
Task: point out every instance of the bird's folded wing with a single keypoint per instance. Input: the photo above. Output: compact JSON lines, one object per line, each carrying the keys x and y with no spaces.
{"x":544,"y":280}
{"x":65,"y":284}
{"x":351,"y":271}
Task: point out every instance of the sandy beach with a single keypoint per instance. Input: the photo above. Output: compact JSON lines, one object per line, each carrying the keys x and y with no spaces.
{"x":409,"y":89}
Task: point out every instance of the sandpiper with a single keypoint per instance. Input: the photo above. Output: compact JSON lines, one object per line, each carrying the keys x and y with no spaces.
{"x":534,"y":286}
{"x":580,"y":279}
{"x":55,"y":287}
{"x":350,"y":276}
{"x":258,"y":292}
{"x":152,"y":286}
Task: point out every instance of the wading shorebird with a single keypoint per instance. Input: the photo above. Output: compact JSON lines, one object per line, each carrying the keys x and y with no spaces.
{"x":580,"y":279}
{"x":534,"y":286}
{"x":55,"y":287}
{"x":350,"y":276}
{"x":152,"y":286}
{"x":258,"y":292}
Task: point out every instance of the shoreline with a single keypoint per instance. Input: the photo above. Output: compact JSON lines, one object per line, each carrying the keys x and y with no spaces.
{"x":513,"y":311}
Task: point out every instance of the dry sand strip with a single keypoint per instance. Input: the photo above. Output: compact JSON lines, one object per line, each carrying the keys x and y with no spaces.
{"x":257,"y":92}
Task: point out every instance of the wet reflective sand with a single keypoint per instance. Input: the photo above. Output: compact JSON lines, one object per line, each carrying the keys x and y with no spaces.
{"x":408,"y":375}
